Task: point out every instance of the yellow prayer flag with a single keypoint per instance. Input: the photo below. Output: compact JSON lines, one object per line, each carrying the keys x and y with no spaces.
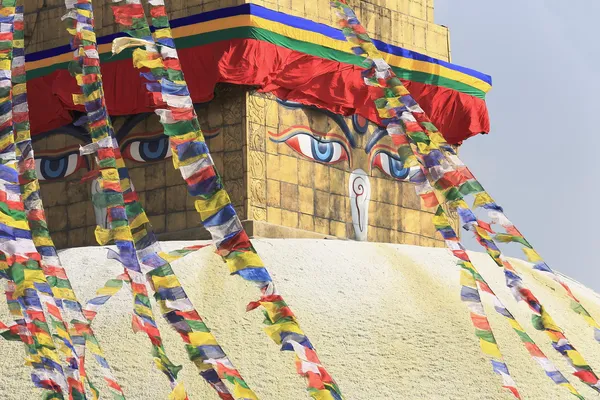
{"x":88,"y":35}
{"x":139,"y":221}
{"x":178,"y":393}
{"x":289,"y":326}
{"x":481,"y":199}
{"x":549,"y":322}
{"x":440,"y":220}
{"x":576,"y":358}
{"x":19,"y":88}
{"x":466,"y":279}
{"x":141,"y":59}
{"x":85,"y":13}
{"x":163,"y":33}
{"x":491,"y":349}
{"x":209,"y":207}
{"x":532,"y":255}
{"x":202,"y":339}
{"x":240,"y":261}
{"x":165,"y":282}
{"x":78,"y":99}
{"x":240,"y":392}
{"x":110,"y":174}
{"x":34,"y":275}
{"x":7,"y":11}
{"x":63,"y":293}
{"x":22,"y":135}
{"x":323,"y":394}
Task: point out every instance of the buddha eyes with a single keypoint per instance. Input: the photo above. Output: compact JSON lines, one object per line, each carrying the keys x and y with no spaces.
{"x":325,"y":151}
{"x":390,"y":165}
{"x":147,"y":150}
{"x":58,"y":167}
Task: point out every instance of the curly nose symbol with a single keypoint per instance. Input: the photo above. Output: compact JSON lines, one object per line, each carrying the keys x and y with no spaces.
{"x":360,"y":194}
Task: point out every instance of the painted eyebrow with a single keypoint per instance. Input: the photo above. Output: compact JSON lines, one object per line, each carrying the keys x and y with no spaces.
{"x":339,"y":120}
{"x":374,"y":139}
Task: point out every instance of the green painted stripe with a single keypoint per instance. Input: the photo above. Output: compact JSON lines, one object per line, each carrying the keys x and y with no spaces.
{"x":264,"y":35}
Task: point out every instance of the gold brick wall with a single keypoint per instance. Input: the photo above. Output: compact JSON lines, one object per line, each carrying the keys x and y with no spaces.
{"x":161,"y":189}
{"x":289,"y":189}
{"x":405,"y":23}
{"x":268,"y":182}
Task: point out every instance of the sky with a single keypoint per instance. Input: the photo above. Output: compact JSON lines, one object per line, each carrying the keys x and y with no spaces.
{"x":540,"y":159}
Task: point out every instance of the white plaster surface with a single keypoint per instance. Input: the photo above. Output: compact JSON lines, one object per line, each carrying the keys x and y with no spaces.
{"x":387,"y":322}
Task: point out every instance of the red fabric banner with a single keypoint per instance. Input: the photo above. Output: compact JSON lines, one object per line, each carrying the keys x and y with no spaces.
{"x":288,"y":74}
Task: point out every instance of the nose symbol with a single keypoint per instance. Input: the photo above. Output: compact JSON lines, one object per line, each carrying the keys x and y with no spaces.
{"x":360,"y":195}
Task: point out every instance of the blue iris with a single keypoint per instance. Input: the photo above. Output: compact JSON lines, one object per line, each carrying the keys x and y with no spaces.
{"x":54,"y":168}
{"x":322,"y":151}
{"x":397,"y":169}
{"x":153,"y":150}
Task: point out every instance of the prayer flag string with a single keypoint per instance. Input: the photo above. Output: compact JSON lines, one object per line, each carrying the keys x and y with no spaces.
{"x":83,"y":335}
{"x":86,"y":69}
{"x":191,"y":156}
{"x":42,"y":322}
{"x":404,"y":118}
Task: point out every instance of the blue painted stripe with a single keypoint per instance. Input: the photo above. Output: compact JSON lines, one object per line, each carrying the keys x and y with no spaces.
{"x":286,"y":19}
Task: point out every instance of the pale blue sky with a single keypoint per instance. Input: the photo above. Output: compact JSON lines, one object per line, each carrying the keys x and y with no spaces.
{"x":540,"y":160}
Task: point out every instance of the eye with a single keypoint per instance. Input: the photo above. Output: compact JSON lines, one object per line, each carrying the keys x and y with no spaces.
{"x":360,"y":124}
{"x":320,"y":150}
{"x":51,"y":168}
{"x":391,"y":166}
{"x":148,"y":150}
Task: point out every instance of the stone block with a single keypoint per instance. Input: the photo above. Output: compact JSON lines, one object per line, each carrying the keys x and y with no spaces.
{"x":306,"y":200}
{"x":176,"y":197}
{"x":257,"y":164}
{"x":77,"y":191}
{"x":307,"y":222}
{"x":337,"y":182}
{"x":192,"y":219}
{"x":57,"y":218}
{"x":155,"y":176}
{"x":288,"y":169}
{"x":321,"y":177}
{"x":60,"y":239}
{"x":274,"y":215}
{"x":322,"y":205}
{"x":137,"y":176}
{"x":53,"y":193}
{"x":410,"y":221}
{"x":155,"y":202}
{"x":273,"y":193}
{"x":77,"y":237}
{"x":176,"y":222}
{"x":233,"y":165}
{"x":158,"y":222}
{"x":76,"y":215}
{"x":289,"y":196}
{"x":337,"y":229}
{"x":306,"y":173}
{"x":410,"y":199}
{"x":337,"y":205}
{"x":173,"y":176}
{"x":233,"y":137}
{"x":321,"y":225}
{"x":273,"y":162}
{"x":427,"y":227}
{"x":257,"y":135}
{"x":289,"y":218}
